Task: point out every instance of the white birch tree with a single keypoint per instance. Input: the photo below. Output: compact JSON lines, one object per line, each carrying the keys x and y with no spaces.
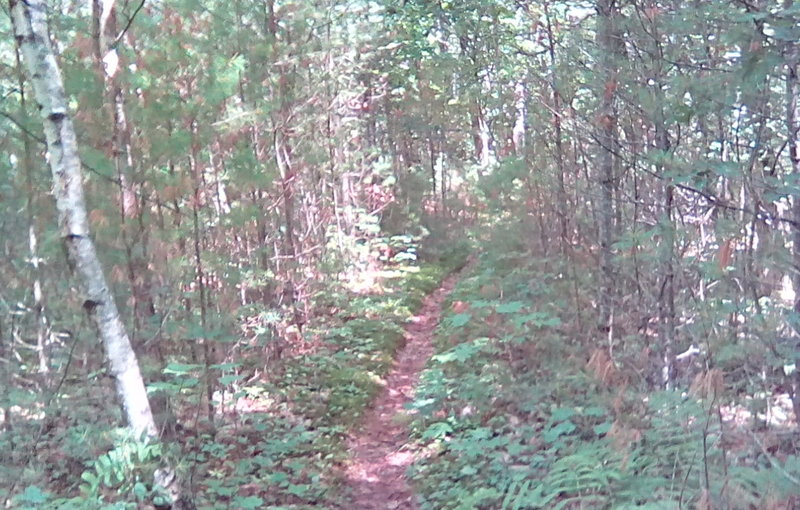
{"x":29,"y":19}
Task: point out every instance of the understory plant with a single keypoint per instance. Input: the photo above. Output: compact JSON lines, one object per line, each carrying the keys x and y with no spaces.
{"x":521,"y":409}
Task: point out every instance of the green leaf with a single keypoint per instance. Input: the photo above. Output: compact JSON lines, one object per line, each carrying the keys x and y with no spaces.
{"x":512,"y":307}
{"x":459,"y":320}
{"x":538,"y":320}
{"x":437,"y":430}
{"x":602,"y":428}
{"x":562,"y":414}
{"x":248,"y":503}
{"x":279,"y":478}
{"x":181,"y":368}
{"x":161,"y":386}
{"x":33,"y":494}
{"x":461,"y":352}
{"x":89,"y":477}
{"x":140,"y":490}
{"x":469,"y":470}
{"x":299,"y":490}
{"x":594,"y":411}
{"x":225,"y":366}
{"x":228,"y":379}
{"x":552,"y":434}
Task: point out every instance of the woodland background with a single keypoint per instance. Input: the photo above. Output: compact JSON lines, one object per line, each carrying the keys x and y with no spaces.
{"x":274,"y":185}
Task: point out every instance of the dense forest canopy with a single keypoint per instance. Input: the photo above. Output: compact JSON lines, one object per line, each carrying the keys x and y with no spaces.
{"x":225,"y":223}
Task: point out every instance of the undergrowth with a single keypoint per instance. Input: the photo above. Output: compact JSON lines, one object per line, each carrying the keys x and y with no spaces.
{"x":521,"y":409}
{"x":321,"y":394}
{"x":277,"y":440}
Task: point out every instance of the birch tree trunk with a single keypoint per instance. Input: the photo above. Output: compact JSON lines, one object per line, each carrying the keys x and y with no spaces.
{"x":30,"y":30}
{"x":29,"y":19}
{"x":42,"y":324}
{"x":792,"y":57}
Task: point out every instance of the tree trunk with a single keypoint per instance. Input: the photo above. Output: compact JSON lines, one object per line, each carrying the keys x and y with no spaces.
{"x":607,"y":138}
{"x":666,"y":302}
{"x":557,"y":132}
{"x":42,"y":324}
{"x":29,"y":19}
{"x":30,"y":28}
{"x":666,"y":297}
{"x":792,"y":52}
{"x":107,"y":61}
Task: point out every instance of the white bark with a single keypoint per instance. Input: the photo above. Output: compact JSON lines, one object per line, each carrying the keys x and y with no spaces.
{"x":29,"y":19}
{"x":518,"y":131}
{"x":792,"y":56}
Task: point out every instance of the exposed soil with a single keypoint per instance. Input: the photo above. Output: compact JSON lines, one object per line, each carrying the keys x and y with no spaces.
{"x":380,"y":448}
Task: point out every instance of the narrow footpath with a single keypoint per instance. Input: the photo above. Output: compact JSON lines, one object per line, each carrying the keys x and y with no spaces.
{"x":380,"y":449}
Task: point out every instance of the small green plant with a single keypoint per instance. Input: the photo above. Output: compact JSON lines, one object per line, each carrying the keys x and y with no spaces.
{"x":127,"y":469}
{"x":32,"y":497}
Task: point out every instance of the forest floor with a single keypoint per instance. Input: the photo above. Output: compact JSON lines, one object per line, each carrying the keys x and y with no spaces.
{"x":379,"y":447}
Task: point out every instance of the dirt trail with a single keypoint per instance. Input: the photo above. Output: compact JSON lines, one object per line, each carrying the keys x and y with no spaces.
{"x":379,"y":447}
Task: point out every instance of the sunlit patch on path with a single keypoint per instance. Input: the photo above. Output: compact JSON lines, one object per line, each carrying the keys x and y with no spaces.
{"x":379,"y":447}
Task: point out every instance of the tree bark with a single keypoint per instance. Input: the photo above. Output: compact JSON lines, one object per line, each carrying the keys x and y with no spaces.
{"x":607,"y":137}
{"x":42,"y":323}
{"x":29,"y":19}
{"x":563,"y":207}
{"x":30,"y":30}
{"x":108,"y":63}
{"x":792,"y":55}
{"x":666,"y":297}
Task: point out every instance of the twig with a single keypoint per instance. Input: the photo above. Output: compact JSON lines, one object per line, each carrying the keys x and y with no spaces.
{"x":127,"y":25}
